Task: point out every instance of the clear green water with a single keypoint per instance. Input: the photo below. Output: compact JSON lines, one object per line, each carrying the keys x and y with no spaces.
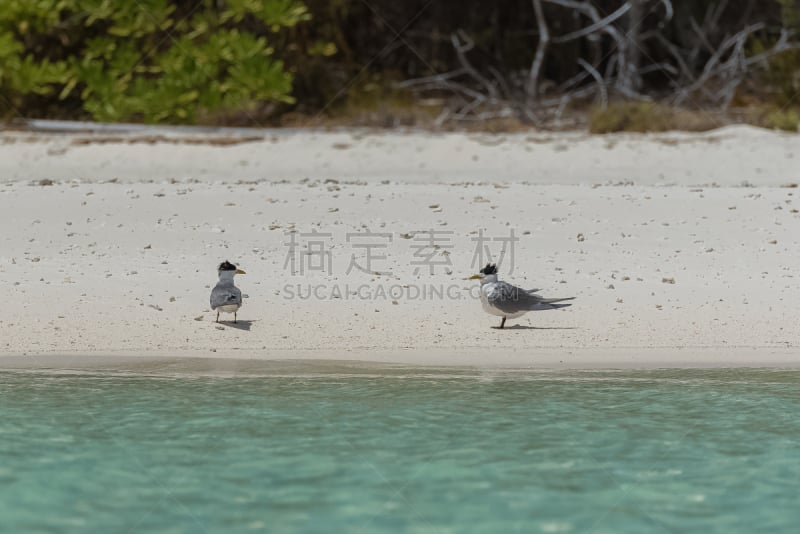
{"x":406,"y":450}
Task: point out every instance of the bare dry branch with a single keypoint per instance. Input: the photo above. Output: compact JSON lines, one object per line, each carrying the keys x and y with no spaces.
{"x":532,"y":89}
{"x":668,"y":7}
{"x":676,"y":55}
{"x":597,"y":26}
{"x":618,"y":61}
{"x":601,"y":84}
{"x":706,"y":70}
{"x":663,"y":67}
{"x":461,"y":49}
{"x":501,"y":82}
{"x":426,"y":80}
{"x":782,"y":45}
{"x":591,"y":12}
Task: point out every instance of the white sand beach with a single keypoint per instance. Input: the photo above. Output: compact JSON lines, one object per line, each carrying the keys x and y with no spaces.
{"x":681,"y":249}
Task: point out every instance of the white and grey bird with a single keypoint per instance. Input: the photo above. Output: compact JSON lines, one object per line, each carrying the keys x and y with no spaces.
{"x":509,"y":301}
{"x":226,"y":297}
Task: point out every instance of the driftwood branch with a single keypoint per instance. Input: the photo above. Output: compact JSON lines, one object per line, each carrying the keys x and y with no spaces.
{"x":597,"y":26}
{"x":463,"y":44}
{"x":715,"y":67}
{"x":601,"y":84}
{"x":618,"y":62}
{"x":544,"y":40}
{"x":628,"y":49}
{"x":670,"y":11}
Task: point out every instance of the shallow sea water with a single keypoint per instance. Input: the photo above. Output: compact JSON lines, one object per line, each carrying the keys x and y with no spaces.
{"x":401,"y":450}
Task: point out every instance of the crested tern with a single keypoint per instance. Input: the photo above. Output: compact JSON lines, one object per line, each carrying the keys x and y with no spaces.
{"x":226,"y":297}
{"x":509,"y":301}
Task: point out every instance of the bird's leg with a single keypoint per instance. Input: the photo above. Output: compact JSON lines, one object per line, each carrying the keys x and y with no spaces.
{"x":503,"y":322}
{"x":217,"y":316}
{"x":234,"y":317}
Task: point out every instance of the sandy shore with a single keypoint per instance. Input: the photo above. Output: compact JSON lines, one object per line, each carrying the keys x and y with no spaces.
{"x":362,"y":362}
{"x":673,"y":244}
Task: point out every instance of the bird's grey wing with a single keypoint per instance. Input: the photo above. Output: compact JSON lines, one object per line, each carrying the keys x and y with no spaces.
{"x":222,"y":295}
{"x":507,"y":298}
{"x":511,"y":299}
{"x":539,"y":303}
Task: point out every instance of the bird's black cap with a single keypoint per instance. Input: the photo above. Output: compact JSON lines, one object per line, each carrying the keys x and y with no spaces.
{"x":490,"y":268}
{"x":226,"y":266}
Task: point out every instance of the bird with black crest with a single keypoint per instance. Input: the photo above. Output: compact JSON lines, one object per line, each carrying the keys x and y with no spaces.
{"x":509,"y":301}
{"x":226,"y":297}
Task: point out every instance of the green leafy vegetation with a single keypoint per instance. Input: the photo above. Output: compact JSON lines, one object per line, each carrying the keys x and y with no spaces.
{"x":649,"y":117}
{"x":148,"y":60}
{"x":776,"y":118}
{"x":389,"y":63}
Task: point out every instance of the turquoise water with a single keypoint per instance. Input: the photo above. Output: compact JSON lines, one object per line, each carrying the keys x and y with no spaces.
{"x":401,"y":450}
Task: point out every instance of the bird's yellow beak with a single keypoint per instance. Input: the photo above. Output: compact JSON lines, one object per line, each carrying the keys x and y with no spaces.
{"x":474,"y":277}
{"x":239,"y":271}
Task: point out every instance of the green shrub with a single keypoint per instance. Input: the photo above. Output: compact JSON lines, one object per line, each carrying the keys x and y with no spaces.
{"x":144,"y":60}
{"x":648,"y":117}
{"x":781,"y":119}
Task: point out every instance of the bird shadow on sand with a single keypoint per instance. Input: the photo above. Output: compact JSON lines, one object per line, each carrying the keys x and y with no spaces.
{"x":239,"y":325}
{"x":525,"y":327}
